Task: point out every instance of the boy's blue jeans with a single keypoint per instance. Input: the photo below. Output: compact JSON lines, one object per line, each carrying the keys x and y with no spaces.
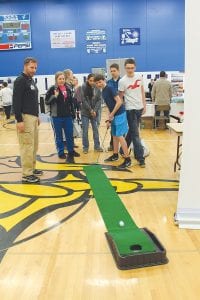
{"x":133,"y":117}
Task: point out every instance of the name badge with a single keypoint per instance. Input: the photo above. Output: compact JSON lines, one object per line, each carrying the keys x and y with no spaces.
{"x":32,"y":87}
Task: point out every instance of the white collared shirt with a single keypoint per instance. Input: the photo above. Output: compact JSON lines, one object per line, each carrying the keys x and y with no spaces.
{"x":6,"y":96}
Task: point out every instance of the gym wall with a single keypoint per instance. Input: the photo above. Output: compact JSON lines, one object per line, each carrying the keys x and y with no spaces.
{"x":161,"y":24}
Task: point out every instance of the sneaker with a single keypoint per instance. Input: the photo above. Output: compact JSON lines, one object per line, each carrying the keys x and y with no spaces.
{"x":125,"y":164}
{"x":70,"y":159}
{"x":30,"y":179}
{"x":98,"y":149}
{"x":76,"y":154}
{"x":113,"y":157}
{"x":110,"y":148}
{"x":37,"y":172}
{"x":85,"y":151}
{"x":142,"y":163}
{"x":62,"y":156}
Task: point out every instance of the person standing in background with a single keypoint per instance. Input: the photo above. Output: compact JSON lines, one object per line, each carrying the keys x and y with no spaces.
{"x":162,"y":93}
{"x":69,"y":80}
{"x":6,"y":97}
{"x":76,"y":96}
{"x":150,"y":86}
{"x":25,"y":103}
{"x":62,"y":113}
{"x":70,"y":83}
{"x":75,"y":81}
{"x":77,"y":103}
{"x":131,"y":89}
{"x":113,"y":84}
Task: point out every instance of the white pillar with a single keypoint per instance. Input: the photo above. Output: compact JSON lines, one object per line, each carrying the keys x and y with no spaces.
{"x":188,"y":209}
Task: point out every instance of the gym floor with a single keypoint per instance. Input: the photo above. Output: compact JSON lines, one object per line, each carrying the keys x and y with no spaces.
{"x":52,"y":242}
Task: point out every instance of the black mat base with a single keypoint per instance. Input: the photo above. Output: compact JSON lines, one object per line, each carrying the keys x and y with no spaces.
{"x":138,"y":260}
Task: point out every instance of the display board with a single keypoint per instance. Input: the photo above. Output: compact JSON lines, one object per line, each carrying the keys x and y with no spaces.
{"x":120,"y":62}
{"x":177,"y":80}
{"x":101,"y":71}
{"x":15,"y":32}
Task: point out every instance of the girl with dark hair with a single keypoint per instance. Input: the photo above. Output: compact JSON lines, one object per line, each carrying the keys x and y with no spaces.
{"x":91,"y":103}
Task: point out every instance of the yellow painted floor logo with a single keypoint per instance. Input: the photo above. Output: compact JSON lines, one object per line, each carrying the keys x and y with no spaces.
{"x":63,"y":185}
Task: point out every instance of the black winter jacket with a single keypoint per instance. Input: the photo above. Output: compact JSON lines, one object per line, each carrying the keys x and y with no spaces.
{"x":25,"y":97}
{"x":60,"y":107}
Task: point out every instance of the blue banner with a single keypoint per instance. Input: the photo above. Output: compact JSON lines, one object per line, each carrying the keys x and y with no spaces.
{"x":15,"y":32}
{"x":129,"y":36}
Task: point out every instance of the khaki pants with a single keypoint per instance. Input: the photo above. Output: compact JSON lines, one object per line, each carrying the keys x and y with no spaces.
{"x":28,"y":144}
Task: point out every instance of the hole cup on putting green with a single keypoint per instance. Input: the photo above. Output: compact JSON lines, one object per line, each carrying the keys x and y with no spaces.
{"x":136,"y":248}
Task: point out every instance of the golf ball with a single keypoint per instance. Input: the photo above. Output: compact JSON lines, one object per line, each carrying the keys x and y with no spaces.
{"x":121,"y":223}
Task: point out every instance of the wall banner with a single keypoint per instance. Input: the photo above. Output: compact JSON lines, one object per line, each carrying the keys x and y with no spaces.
{"x":63,"y":39}
{"x":96,"y":41}
{"x":129,"y":36}
{"x":15,"y":32}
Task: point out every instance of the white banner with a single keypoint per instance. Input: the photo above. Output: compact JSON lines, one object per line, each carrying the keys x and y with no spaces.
{"x":63,"y":39}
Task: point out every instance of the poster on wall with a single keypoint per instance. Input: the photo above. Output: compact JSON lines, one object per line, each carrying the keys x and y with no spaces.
{"x":96,"y":35}
{"x":129,"y":36}
{"x":96,"y":41}
{"x":96,"y":48}
{"x":15,"y":32}
{"x":63,"y":39}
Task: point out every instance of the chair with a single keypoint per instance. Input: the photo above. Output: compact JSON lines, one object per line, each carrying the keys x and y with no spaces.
{"x":161,"y":114}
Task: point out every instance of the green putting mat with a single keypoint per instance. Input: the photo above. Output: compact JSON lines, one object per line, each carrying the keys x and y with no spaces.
{"x":125,"y":233}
